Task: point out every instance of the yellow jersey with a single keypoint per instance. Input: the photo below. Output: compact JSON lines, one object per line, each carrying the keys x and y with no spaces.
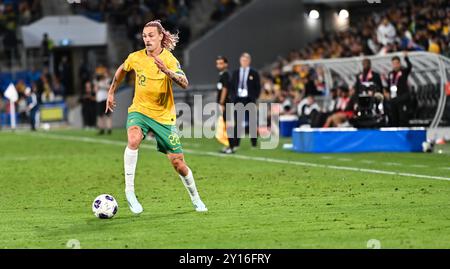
{"x":153,"y":94}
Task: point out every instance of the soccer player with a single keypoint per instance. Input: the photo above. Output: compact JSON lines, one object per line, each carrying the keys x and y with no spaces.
{"x":153,"y":108}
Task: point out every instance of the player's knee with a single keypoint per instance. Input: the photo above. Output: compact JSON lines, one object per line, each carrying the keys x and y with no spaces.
{"x":134,"y":138}
{"x":179,"y":165}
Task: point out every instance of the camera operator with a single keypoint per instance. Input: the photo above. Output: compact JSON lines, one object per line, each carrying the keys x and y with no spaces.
{"x":368,"y":79}
{"x":369,"y":101}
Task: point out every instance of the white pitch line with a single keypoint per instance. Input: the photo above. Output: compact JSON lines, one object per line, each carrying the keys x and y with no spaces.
{"x":419,"y":165}
{"x":344,"y":159}
{"x":391,"y":164}
{"x":243,"y":157}
{"x":29,"y":158}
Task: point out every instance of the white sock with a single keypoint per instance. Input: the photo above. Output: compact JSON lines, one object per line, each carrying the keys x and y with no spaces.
{"x":130,"y":159}
{"x":189,"y":183}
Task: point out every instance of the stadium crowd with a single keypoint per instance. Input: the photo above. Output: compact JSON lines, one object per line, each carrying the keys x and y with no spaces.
{"x":406,"y":26}
{"x":134,"y":14}
{"x":14,"y":13}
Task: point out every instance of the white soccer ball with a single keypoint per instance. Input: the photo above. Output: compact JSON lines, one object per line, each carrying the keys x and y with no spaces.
{"x":427,"y":147}
{"x":105,"y":206}
{"x":46,"y":126}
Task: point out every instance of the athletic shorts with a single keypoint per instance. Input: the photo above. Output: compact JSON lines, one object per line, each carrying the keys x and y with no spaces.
{"x":167,"y":138}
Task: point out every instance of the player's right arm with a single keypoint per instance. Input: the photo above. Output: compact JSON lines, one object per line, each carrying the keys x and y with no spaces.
{"x":117,"y":79}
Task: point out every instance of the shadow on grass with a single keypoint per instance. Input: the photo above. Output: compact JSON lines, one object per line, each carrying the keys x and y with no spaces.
{"x":117,"y":223}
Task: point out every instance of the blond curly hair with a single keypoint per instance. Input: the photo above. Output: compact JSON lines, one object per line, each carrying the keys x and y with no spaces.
{"x":169,"y":40}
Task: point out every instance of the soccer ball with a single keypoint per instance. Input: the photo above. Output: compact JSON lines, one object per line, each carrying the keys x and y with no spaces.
{"x":104,"y":206}
{"x":428,"y":146}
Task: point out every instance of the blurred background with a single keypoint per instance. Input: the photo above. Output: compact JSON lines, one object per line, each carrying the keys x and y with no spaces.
{"x":308,"y":54}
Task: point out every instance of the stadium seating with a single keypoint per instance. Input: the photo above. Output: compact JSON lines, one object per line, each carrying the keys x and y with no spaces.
{"x":26,"y":75}
{"x":424,"y":32}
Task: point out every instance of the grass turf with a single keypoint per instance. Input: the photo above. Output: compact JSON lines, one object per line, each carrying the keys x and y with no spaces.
{"x":48,"y":182}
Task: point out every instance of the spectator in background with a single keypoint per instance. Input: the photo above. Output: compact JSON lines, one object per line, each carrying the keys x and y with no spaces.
{"x":345,"y":108}
{"x":278,"y":78}
{"x":101,"y":69}
{"x":101,"y":87}
{"x":58,"y":87}
{"x":310,"y":85}
{"x":32,"y":107}
{"x":399,"y":92}
{"x":287,"y":106}
{"x":88,"y":105}
{"x":319,"y":80}
{"x":64,"y":74}
{"x":25,"y":12}
{"x":307,"y":109}
{"x":318,"y":119}
{"x":43,"y":84}
{"x":245,"y":88}
{"x":386,"y":32}
{"x":20,"y":87}
{"x":47,"y":94}
{"x":332,"y":105}
{"x":46,"y":49}
{"x":433,"y":44}
{"x":268,"y":89}
{"x":84,"y":73}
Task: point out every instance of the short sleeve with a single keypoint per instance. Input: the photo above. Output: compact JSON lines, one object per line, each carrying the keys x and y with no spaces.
{"x":127,"y":65}
{"x":176,"y":67}
{"x":226,"y":80}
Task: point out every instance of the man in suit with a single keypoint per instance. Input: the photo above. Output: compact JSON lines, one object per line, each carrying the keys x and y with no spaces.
{"x":245,"y":89}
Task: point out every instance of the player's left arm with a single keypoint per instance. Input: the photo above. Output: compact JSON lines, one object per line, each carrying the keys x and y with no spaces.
{"x":173,"y":72}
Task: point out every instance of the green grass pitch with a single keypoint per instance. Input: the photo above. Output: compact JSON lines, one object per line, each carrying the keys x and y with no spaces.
{"x":256,"y":199}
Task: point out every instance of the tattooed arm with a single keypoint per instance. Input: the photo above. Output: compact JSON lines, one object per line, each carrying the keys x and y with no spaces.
{"x":117,"y":79}
{"x":179,"y":79}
